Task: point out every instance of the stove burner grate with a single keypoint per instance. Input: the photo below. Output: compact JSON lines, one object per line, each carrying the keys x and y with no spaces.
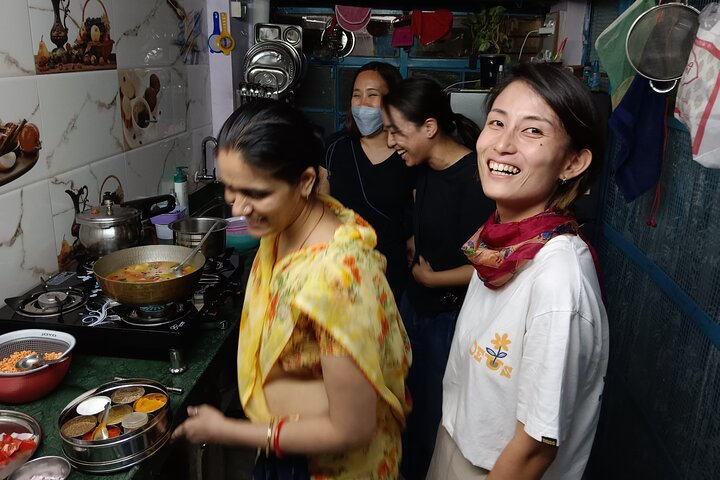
{"x":50,"y":303}
{"x":156,"y":315}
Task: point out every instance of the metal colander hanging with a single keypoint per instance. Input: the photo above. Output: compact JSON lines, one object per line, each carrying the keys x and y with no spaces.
{"x":659,"y":43}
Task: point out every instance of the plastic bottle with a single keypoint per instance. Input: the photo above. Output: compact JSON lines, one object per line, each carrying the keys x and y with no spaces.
{"x":586,"y":74}
{"x":180,"y":186}
{"x":595,"y":77}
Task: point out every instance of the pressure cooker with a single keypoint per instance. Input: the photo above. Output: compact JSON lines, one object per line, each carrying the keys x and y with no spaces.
{"x":111,"y":226}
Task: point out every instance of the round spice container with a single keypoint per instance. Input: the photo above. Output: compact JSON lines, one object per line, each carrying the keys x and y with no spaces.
{"x":134,"y":420}
{"x":152,"y":402}
{"x":127,"y":394}
{"x":92,"y":405}
{"x":116,"y":414}
{"x":78,"y":426}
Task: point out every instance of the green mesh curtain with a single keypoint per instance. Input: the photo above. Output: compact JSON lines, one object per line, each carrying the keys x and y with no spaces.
{"x":661,"y":410}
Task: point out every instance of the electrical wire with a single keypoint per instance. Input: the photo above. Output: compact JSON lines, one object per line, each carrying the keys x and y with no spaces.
{"x":523,"y":44}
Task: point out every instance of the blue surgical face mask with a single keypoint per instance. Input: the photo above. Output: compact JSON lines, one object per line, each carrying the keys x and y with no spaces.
{"x":367,"y":119}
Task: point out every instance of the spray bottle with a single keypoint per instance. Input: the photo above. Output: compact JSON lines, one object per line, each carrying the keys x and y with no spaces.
{"x":180,"y":186}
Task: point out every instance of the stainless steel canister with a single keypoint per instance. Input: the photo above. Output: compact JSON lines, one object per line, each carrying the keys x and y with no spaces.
{"x":189,"y":231}
{"x":126,"y":450}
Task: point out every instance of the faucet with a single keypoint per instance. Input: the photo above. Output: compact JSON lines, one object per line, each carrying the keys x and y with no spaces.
{"x":202,"y":175}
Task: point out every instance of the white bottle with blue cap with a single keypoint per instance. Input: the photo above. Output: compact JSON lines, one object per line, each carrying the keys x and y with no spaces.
{"x":180,"y":186}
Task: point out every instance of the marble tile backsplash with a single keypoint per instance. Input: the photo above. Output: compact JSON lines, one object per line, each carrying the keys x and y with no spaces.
{"x":78,"y":114}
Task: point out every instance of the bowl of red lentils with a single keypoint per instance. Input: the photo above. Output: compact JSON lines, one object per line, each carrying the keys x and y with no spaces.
{"x":26,"y":386}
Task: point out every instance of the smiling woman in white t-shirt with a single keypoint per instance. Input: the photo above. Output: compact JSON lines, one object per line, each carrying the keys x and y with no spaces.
{"x":522,"y":388}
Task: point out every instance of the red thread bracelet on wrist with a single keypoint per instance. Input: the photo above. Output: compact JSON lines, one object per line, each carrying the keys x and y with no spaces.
{"x":276,"y":438}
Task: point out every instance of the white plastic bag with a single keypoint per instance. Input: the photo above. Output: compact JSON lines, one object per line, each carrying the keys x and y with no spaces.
{"x":697,"y":104}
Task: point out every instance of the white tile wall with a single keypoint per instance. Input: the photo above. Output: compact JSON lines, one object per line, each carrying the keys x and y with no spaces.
{"x":16,"y":45}
{"x":78,"y":115}
{"x":25,"y":252}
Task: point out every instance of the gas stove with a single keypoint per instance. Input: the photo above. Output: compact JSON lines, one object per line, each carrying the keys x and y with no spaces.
{"x":73,"y":302}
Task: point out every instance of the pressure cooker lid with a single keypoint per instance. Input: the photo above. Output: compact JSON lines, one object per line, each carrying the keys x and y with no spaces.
{"x":273,"y":64}
{"x":107,"y":215}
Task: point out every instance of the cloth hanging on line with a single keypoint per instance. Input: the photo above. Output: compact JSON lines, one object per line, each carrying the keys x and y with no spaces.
{"x":432,"y":26}
{"x":638,"y":125}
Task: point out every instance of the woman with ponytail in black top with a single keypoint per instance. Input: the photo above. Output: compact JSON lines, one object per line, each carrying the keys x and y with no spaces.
{"x":449,"y":204}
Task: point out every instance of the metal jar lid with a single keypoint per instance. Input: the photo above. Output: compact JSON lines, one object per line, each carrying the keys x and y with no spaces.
{"x":107,"y":215}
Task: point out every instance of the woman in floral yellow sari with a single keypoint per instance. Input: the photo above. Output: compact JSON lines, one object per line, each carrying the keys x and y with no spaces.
{"x":322,"y":355}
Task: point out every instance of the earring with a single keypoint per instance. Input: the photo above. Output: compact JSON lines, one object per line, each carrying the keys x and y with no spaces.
{"x":563,"y":181}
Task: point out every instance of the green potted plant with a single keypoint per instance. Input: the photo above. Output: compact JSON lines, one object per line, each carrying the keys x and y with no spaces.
{"x":489,"y":41}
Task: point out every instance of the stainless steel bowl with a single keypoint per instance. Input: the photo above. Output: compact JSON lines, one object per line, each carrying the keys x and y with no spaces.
{"x":126,"y":450}
{"x":57,"y":467}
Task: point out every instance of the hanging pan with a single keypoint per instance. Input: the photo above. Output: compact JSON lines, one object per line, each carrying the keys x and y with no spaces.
{"x":659,"y":42}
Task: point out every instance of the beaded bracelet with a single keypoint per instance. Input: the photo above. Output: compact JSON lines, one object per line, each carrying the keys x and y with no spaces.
{"x":268,"y":443}
{"x":276,"y":437}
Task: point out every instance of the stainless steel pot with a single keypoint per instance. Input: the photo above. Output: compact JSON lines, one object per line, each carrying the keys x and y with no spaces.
{"x":111,"y":227}
{"x":145,"y":294}
{"x":189,"y":231}
{"x":130,"y":448}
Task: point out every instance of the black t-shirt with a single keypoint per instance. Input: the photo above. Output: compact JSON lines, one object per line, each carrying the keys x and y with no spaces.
{"x":381,"y":194}
{"x":449,"y":207}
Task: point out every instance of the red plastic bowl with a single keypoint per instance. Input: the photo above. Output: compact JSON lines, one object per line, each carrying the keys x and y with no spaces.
{"x":32,"y":385}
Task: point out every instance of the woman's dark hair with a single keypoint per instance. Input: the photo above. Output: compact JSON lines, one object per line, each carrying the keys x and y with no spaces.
{"x":573,"y":104}
{"x":421,"y":98}
{"x":274,"y":137}
{"x":389,"y":73}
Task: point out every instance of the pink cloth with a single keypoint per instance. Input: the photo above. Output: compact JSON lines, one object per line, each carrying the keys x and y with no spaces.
{"x":352,"y":19}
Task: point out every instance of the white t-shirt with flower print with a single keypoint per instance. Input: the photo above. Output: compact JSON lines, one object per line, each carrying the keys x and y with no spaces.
{"x":533,"y":351}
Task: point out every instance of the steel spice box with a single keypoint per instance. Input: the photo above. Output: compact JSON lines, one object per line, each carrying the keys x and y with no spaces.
{"x":127,"y":449}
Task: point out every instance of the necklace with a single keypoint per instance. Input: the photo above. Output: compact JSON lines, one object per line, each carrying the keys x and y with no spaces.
{"x":313,"y":229}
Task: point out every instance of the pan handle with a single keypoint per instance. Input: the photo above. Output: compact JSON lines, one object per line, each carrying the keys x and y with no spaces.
{"x":149,"y":206}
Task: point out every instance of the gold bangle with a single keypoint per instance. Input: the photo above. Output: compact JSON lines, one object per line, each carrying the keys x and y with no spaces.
{"x":268,"y":442}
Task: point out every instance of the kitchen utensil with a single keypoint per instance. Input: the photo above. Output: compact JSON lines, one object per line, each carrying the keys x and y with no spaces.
{"x":189,"y":231}
{"x":35,"y":360}
{"x":23,"y":387}
{"x":177,"y":269}
{"x":146,"y":294}
{"x":273,"y":64}
{"x":111,"y":227}
{"x":101,"y":431}
{"x":225,"y":41}
{"x":215,"y":35}
{"x":124,"y":451}
{"x":659,"y":43}
{"x":53,"y":467}
{"x":175,"y":390}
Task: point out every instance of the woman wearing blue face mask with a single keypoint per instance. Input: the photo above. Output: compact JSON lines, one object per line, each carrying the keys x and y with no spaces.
{"x":370,"y":178}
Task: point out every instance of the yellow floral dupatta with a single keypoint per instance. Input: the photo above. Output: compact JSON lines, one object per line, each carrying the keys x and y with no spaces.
{"x":341,"y":287}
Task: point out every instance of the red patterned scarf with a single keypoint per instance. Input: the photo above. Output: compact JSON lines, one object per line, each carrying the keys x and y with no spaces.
{"x":498,"y":250}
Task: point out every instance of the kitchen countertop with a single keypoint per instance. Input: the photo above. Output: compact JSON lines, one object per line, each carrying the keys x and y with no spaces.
{"x":210,"y":378}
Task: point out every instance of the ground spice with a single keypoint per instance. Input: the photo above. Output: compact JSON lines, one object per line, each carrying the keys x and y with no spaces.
{"x":150,"y":402}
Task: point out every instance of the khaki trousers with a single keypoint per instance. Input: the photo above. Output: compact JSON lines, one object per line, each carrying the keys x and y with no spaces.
{"x":448,"y":463}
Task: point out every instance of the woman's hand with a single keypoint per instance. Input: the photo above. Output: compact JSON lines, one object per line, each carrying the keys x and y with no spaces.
{"x":202,"y":421}
{"x":423,"y":273}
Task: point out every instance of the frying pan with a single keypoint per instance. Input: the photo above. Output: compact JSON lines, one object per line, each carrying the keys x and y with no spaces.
{"x":145,"y":294}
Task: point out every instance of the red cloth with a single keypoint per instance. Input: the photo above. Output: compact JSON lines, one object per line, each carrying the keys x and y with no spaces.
{"x":498,"y":250}
{"x":432,"y":26}
{"x":352,"y":19}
